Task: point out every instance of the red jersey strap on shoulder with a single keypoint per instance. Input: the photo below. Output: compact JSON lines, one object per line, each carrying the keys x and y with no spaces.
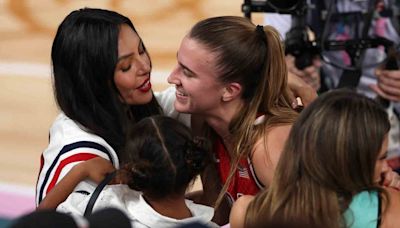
{"x":243,"y":181}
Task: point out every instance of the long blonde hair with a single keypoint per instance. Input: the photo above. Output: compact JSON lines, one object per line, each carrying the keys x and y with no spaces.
{"x":255,"y":59}
{"x":330,"y":156}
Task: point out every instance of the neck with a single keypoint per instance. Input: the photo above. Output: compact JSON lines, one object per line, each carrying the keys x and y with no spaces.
{"x":222,"y":117}
{"x":170,"y":206}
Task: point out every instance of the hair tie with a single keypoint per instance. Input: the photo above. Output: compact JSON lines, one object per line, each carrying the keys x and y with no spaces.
{"x":260,"y":32}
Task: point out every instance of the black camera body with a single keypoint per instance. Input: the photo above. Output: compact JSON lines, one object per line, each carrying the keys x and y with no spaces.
{"x":297,"y":42}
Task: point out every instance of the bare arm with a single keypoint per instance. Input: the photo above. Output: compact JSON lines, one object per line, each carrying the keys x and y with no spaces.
{"x":268,"y":151}
{"x":238,"y":212}
{"x":390,"y":211}
{"x":95,"y":169}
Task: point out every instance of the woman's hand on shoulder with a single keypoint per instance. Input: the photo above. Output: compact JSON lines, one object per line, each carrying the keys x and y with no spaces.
{"x":299,"y":88}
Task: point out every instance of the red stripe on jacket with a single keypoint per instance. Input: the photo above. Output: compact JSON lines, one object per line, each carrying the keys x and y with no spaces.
{"x":66,"y":161}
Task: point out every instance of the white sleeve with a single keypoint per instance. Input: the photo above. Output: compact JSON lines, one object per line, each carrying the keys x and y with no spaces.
{"x":166,"y":100}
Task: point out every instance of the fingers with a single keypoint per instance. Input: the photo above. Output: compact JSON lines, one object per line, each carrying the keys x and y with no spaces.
{"x":395,"y":182}
{"x":299,"y":88}
{"x":391,"y":179}
{"x":388,"y":84}
{"x":293,"y":99}
{"x":310,"y":74}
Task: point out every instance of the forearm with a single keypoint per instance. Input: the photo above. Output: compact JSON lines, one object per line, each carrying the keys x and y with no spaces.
{"x":63,"y":189}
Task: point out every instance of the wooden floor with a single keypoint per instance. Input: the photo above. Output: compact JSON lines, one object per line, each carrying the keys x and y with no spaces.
{"x":27,"y":28}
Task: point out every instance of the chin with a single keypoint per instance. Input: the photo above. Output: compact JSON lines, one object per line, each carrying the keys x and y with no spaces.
{"x":142,"y":100}
{"x":181,"y":108}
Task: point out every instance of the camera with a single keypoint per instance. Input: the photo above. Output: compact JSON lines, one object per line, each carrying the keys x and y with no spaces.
{"x":297,"y":42}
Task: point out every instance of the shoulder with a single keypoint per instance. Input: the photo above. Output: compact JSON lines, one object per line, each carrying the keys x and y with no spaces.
{"x":268,"y":148}
{"x":391,"y":209}
{"x":68,"y":137}
{"x":238,"y":211}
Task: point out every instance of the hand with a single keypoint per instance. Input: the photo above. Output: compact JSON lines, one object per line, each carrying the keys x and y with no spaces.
{"x":388,"y":85}
{"x":310,"y":74}
{"x":298,"y":88}
{"x":96,"y":168}
{"x":391,"y":179}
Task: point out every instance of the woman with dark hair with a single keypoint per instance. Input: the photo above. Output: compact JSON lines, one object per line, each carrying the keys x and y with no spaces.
{"x":102,"y":85}
{"x":330,"y":171}
{"x":160,"y":160}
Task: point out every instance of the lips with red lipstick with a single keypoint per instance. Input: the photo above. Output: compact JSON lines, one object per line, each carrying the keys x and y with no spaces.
{"x":145,"y":87}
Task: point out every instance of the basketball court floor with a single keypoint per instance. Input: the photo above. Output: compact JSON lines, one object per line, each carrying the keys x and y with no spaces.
{"x":27,"y":107}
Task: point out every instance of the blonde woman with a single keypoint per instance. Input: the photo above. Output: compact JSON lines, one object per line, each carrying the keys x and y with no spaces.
{"x":232,"y":74}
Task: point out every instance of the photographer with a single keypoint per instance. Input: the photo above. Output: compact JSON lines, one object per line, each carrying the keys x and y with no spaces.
{"x":353,"y":20}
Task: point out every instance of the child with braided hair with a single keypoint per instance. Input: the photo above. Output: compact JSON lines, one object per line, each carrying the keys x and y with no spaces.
{"x":160,"y":160}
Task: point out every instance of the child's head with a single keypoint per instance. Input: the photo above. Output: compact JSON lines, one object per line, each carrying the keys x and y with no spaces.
{"x":161,"y":157}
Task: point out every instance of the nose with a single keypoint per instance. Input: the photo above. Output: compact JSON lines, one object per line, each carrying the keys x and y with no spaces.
{"x":143,"y":65}
{"x":385,"y":167}
{"x":173,"y":78}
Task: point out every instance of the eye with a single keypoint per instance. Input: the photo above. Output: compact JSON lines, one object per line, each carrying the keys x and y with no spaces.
{"x":186,"y":72}
{"x":142,"y":50}
{"x":125,"y":69}
{"x":383,"y":157}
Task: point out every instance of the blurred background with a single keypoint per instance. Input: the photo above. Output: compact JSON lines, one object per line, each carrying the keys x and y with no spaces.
{"x":27,"y":107}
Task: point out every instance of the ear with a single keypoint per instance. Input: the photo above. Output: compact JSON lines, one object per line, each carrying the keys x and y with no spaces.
{"x":231,"y":91}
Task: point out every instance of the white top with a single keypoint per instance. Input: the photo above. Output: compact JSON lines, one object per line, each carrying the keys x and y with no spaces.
{"x":166,"y":100}
{"x":135,"y":207}
{"x":69,"y":145}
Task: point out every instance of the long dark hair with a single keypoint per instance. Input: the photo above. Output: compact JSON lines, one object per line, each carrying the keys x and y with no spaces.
{"x":84,"y":56}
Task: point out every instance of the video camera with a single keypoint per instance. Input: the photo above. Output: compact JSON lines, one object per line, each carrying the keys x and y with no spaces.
{"x":297,"y":42}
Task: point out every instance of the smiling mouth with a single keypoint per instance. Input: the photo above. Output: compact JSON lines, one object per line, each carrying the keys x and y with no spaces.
{"x":145,"y":87}
{"x":181,"y":94}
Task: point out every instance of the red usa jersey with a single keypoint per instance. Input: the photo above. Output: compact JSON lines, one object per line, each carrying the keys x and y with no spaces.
{"x":244,"y":181}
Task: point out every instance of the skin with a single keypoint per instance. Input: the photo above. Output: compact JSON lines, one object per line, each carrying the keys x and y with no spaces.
{"x":131,"y":77}
{"x":132,"y":73}
{"x":388,"y":85}
{"x":310,"y":74}
{"x":94,"y":169}
{"x":381,"y":165}
{"x":389,"y":211}
{"x":196,"y":75}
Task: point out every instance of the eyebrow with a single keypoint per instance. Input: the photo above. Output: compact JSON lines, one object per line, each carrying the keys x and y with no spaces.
{"x":183,"y":66}
{"x":384,"y":155}
{"x":130,"y":54}
{"x":124,"y":56}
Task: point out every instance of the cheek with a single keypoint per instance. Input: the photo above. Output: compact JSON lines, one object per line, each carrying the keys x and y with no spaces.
{"x":124,"y":82}
{"x":378,"y":170}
